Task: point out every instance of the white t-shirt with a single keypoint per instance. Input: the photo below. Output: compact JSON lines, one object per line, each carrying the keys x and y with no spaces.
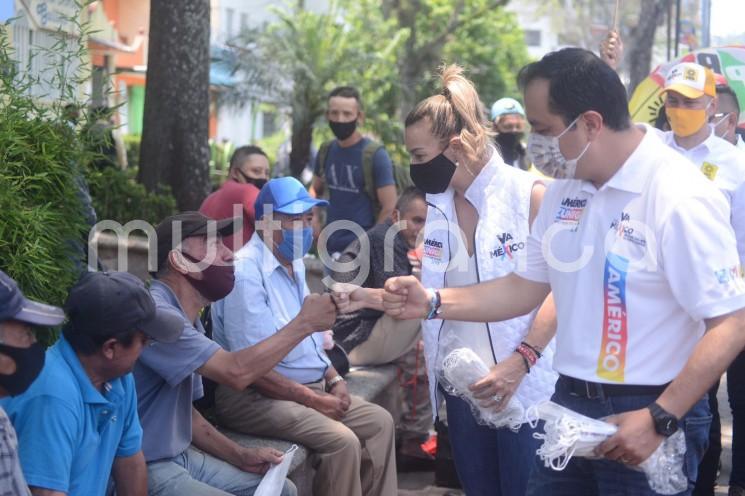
{"x":635,"y":267}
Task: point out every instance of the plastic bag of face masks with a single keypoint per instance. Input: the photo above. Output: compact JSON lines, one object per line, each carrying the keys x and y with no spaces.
{"x":460,"y":368}
{"x":274,"y":479}
{"x":568,"y":434}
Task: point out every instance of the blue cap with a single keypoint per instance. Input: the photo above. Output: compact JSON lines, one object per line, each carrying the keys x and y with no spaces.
{"x":13,"y":305}
{"x":505,"y":106}
{"x":286,"y":195}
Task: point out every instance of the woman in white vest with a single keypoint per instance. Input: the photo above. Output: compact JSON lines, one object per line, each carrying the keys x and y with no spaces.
{"x":479,"y":217}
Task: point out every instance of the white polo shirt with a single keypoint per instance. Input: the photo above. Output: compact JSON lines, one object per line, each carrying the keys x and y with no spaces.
{"x":635,"y":267}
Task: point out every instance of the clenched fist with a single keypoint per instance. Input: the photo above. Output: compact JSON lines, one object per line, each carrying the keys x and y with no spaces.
{"x":318,"y":311}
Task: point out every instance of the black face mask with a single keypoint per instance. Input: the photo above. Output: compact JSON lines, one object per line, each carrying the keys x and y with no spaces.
{"x":29,"y":362}
{"x":259,"y":183}
{"x":343,"y":130}
{"x":433,"y":177}
{"x":509,"y":140}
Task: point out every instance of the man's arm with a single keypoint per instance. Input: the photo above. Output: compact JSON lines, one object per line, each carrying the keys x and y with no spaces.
{"x":130,"y":475}
{"x":505,"y":377}
{"x":387,"y":197}
{"x":239,"y":369}
{"x":499,"y":299}
{"x":636,"y":438}
{"x":213,"y":442}
{"x":275,"y":385}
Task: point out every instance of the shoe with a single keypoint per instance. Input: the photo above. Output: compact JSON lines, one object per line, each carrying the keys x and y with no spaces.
{"x":412,"y":458}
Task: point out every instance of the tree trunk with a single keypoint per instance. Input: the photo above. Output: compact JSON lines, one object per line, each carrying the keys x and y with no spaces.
{"x":175,"y":138}
{"x":302,"y":134}
{"x":639,"y":56}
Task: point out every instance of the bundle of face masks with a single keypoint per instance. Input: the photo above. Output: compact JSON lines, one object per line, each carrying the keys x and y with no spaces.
{"x":460,"y":369}
{"x":569,"y":434}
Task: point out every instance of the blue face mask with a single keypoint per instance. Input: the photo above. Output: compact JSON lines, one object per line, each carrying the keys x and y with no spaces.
{"x":295,"y":243}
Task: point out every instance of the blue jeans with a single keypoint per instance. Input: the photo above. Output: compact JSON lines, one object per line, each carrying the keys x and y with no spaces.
{"x":489,"y":462}
{"x":195,"y":472}
{"x":607,"y":478}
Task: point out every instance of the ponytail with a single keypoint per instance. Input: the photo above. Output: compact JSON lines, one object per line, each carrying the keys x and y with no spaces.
{"x":457,"y":110}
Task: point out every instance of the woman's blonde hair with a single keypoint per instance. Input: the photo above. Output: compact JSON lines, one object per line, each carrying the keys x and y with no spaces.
{"x":457,"y":110}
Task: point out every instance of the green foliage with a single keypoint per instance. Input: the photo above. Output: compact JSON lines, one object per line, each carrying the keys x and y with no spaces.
{"x":43,"y":227}
{"x":132,"y":145}
{"x":118,"y":196}
{"x":377,"y":46}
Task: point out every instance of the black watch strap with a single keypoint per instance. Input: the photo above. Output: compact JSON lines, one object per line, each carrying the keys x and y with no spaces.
{"x":665,"y":423}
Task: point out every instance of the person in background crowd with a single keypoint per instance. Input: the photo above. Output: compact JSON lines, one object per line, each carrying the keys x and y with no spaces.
{"x":303,"y":399}
{"x":185,"y":454}
{"x":508,"y":118}
{"x":629,"y":294}
{"x":340,"y":168}
{"x":726,"y":119}
{"x":370,"y":337}
{"x":77,"y":424}
{"x":21,"y":361}
{"x":249,"y":171}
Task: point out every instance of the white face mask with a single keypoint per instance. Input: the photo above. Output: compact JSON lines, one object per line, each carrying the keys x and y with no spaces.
{"x":546,"y":155}
{"x":715,"y":127}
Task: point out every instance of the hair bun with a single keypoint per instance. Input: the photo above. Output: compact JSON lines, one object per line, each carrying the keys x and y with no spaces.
{"x":446,"y":92}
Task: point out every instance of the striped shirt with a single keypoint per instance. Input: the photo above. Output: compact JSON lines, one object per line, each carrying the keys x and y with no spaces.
{"x":12,"y":482}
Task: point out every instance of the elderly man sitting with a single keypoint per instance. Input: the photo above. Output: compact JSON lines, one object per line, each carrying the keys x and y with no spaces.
{"x":303,"y":399}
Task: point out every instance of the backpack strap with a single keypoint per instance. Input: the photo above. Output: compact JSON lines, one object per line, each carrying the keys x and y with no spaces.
{"x":323,"y":155}
{"x":368,"y":169}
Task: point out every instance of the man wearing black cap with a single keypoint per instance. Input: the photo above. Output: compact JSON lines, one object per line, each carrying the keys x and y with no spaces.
{"x":21,"y":360}
{"x":77,"y":423}
{"x":195,"y":268}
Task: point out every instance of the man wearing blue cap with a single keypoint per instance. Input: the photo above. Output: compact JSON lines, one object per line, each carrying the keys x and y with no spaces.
{"x":508,"y":118}
{"x":303,"y":399}
{"x":21,"y":361}
{"x":77,"y":423}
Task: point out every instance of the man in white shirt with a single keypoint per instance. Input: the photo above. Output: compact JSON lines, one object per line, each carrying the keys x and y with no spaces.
{"x":726,"y":119}
{"x":691,"y":103}
{"x":641,"y":259}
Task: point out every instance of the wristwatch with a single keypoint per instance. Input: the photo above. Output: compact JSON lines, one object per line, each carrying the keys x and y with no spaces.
{"x":665,"y":423}
{"x":333,"y":382}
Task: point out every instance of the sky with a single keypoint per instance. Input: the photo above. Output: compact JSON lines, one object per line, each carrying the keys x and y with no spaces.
{"x":727,"y":17}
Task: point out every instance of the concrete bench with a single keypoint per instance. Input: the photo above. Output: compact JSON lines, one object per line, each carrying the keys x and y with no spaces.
{"x":373,"y":384}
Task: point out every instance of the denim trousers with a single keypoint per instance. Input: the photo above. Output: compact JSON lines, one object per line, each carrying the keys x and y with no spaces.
{"x":489,"y":462}
{"x":588,"y":477}
{"x":195,"y":472}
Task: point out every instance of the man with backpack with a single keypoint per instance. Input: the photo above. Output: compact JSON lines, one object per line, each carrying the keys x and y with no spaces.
{"x":357,"y":171}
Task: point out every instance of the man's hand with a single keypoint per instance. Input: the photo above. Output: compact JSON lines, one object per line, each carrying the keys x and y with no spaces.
{"x":405,"y":298}
{"x":496,"y":388}
{"x":340,"y":391}
{"x":329,"y":405}
{"x":258,"y":460}
{"x":318,"y":311}
{"x":635,"y":440}
{"x":611,"y":49}
{"x":349,"y":297}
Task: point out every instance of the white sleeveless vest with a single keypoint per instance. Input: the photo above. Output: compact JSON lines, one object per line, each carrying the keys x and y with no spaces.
{"x":501,"y":195}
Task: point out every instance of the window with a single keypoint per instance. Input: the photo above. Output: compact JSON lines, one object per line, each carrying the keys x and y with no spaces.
{"x":533,"y":37}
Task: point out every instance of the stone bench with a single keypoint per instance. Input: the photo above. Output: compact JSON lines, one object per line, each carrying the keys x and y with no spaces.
{"x":373,"y":384}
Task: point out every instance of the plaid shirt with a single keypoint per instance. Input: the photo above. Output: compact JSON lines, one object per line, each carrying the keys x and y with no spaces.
{"x":12,"y":482}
